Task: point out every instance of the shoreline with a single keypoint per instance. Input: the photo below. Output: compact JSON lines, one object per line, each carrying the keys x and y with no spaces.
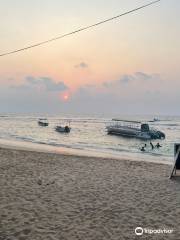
{"x":61,"y":154}
{"x":43,"y":148}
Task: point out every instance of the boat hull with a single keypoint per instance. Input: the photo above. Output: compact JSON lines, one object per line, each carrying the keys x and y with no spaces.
{"x":135,"y":133}
{"x":63,"y":129}
{"x":42,"y":124}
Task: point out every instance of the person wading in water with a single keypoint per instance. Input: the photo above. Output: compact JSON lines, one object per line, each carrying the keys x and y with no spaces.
{"x":152,"y":146}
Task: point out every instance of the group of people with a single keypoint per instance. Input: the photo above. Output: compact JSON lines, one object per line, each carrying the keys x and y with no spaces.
{"x":143,"y":148}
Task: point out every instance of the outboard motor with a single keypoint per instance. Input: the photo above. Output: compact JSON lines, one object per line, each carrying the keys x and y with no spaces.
{"x":67,"y":129}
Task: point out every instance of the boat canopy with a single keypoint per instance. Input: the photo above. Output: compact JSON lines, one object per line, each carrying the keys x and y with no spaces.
{"x":43,"y":119}
{"x":122,"y":120}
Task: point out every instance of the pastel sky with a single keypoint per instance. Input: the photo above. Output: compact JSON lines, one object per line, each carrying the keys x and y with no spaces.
{"x":127,"y":66}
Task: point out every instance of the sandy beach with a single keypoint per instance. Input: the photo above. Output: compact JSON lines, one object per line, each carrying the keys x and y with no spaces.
{"x":46,"y":196}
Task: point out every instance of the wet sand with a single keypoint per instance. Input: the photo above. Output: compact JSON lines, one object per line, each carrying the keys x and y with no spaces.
{"x":46,"y":196}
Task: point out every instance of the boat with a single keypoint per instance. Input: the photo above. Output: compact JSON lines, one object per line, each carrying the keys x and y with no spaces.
{"x":43,"y":122}
{"x":63,"y":129}
{"x":155,"y":120}
{"x":133,"y":129}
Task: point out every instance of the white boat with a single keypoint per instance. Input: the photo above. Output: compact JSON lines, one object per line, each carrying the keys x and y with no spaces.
{"x":133,"y":129}
{"x":63,"y":129}
{"x":43,"y":122}
{"x":155,"y":120}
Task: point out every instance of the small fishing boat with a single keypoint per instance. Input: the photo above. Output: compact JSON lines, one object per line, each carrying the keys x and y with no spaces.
{"x":43,"y":122}
{"x":155,"y":120}
{"x":133,"y":129}
{"x":65,"y":128}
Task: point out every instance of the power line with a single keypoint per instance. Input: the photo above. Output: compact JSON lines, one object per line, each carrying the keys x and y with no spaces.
{"x":78,"y":30}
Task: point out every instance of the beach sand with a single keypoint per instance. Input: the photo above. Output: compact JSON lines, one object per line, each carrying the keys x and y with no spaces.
{"x":46,"y":196}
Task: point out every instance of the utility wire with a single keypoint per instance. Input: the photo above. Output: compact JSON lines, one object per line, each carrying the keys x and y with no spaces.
{"x":78,"y":30}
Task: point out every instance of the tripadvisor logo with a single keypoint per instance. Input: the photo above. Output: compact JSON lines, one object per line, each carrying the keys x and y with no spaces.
{"x":139,"y":231}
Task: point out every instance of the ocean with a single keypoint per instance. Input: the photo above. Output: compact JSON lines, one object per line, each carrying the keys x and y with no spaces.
{"x":88,"y":135}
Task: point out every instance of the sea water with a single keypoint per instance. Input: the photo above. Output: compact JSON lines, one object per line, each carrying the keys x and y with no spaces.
{"x":88,"y":134}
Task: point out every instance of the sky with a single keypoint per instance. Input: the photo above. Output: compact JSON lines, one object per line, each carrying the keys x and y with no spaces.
{"x":127,"y":66}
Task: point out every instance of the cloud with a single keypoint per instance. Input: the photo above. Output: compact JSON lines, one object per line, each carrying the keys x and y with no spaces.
{"x":36,"y":94}
{"x":137,"y":93}
{"x":125,"y":79}
{"x":81,"y":65}
{"x":144,"y":76}
{"x":128,"y":79}
{"x":130,"y":94}
{"x":45,"y":83}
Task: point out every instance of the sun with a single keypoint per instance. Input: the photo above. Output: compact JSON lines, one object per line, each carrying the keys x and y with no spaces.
{"x":65,"y":97}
